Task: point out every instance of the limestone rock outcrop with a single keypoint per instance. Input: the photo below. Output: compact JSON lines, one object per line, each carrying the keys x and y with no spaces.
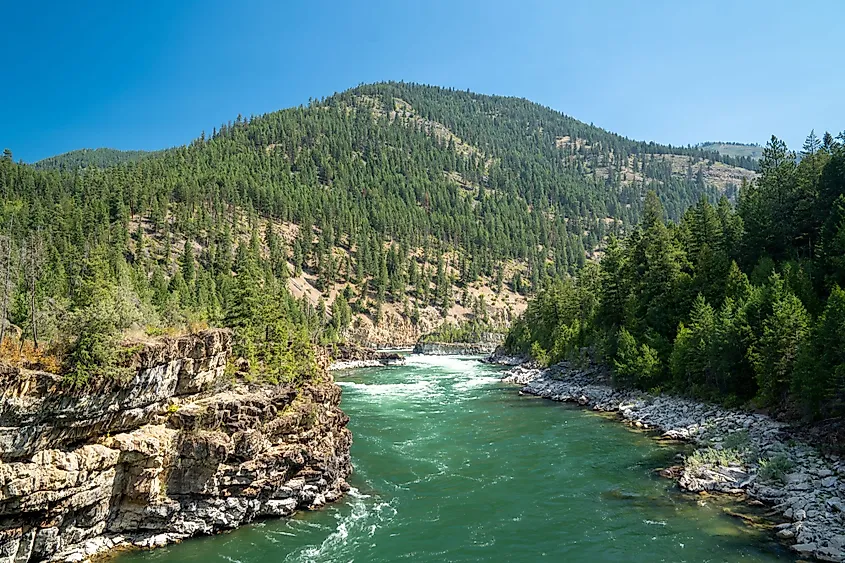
{"x":175,"y":450}
{"x":348,"y":356}
{"x":484,"y":347}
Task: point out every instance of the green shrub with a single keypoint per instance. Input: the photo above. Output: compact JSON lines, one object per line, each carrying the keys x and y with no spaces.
{"x":776,"y":467}
{"x":711,"y":456}
{"x":539,"y":354}
{"x":95,"y":351}
{"x":739,"y":441}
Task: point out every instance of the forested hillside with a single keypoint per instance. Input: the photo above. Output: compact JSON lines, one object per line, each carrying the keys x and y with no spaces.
{"x":83,"y":158}
{"x":388,"y":205}
{"x":739,"y":305}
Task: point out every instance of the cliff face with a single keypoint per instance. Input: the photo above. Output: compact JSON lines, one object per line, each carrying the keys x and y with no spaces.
{"x":173,"y":451}
{"x":454,"y":348}
{"x":484,"y":346}
{"x":347,"y":356}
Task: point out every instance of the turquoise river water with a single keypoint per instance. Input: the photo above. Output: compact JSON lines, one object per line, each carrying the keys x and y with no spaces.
{"x":451,"y":465}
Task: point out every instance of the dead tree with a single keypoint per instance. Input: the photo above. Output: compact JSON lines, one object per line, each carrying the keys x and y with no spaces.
{"x":32,"y":261}
{"x":6,"y":249}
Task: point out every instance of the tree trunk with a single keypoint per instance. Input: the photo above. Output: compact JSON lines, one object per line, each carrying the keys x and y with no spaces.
{"x":6,"y":291}
{"x":32,"y":303}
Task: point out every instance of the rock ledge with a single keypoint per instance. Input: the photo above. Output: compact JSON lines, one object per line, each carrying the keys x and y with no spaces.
{"x":175,"y":451}
{"x":351,"y":356}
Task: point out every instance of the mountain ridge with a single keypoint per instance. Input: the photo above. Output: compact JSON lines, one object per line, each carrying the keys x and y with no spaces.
{"x":102,"y":157}
{"x":753,"y":151}
{"x":409,"y":201}
{"x":110,"y":156}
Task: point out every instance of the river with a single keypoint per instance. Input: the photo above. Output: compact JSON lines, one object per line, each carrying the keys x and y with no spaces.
{"x":451,"y":465}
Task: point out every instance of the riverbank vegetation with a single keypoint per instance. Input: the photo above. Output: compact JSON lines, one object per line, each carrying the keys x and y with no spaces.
{"x":737,"y":304}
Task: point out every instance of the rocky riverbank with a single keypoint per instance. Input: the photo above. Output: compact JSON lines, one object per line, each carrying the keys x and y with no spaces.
{"x":351,"y":356}
{"x":737,"y":453}
{"x":500,"y":357}
{"x":454,"y":348}
{"x":176,"y":449}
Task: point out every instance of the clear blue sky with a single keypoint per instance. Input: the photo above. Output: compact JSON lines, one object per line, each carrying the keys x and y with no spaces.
{"x":147,"y":75}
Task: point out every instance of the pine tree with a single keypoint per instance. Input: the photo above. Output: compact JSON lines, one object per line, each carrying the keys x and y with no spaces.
{"x":382,"y":281}
{"x":613,"y":287}
{"x":341,"y":313}
{"x":634,"y":364}
{"x":656,"y":266}
{"x":693,"y":348}
{"x":784,"y":333}
{"x":820,"y":370}
{"x":188,"y":264}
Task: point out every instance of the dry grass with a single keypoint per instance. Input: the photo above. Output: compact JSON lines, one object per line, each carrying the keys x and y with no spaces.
{"x":25,"y":355}
{"x":717,"y":174}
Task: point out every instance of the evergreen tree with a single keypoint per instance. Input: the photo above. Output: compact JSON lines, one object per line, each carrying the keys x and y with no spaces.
{"x":784,"y":333}
{"x":820,"y":368}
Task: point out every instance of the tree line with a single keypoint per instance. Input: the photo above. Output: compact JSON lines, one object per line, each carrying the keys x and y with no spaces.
{"x":736,"y":304}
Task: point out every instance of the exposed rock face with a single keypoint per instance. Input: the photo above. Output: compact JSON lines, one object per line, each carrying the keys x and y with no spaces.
{"x":455,"y":348}
{"x":810,"y":496}
{"x":521,"y":375}
{"x":500,"y":357}
{"x":37,"y":412}
{"x":393,"y":331}
{"x":172,"y":452}
{"x":348,"y":356}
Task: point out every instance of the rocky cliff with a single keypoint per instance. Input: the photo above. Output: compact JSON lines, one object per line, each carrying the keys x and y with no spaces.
{"x":348,"y":356}
{"x":175,"y":449}
{"x":484,"y":345}
{"x":455,"y":348}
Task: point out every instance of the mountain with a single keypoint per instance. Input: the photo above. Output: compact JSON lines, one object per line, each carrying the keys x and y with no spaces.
{"x":83,"y":158}
{"x":751,"y":151}
{"x":376,"y":213}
